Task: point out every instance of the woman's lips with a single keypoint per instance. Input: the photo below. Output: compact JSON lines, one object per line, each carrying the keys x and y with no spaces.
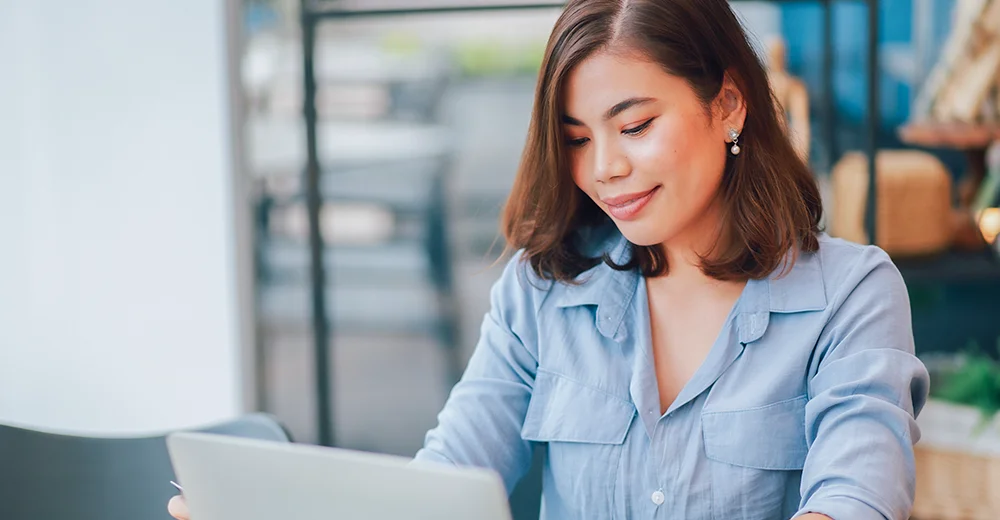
{"x":626,"y":207}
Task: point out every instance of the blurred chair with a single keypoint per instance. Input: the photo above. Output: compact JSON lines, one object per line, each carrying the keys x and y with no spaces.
{"x":48,"y":476}
{"x":386,"y":167}
{"x":385,"y":224}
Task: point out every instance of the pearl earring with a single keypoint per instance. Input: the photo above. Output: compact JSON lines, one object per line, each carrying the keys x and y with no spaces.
{"x":734,"y":136}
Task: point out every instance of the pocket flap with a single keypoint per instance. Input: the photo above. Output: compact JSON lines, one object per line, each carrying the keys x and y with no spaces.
{"x":769,"y":437}
{"x":563,"y":410}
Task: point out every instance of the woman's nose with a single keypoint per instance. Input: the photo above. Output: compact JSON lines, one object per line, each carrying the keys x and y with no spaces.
{"x":610,"y":164}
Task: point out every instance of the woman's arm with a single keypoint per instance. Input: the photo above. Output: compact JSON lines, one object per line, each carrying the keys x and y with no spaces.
{"x":480,"y":424}
{"x":864,"y":397}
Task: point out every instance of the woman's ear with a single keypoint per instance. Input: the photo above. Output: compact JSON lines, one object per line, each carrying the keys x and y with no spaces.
{"x":731,"y":106}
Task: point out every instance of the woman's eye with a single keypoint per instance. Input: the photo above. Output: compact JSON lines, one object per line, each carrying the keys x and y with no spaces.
{"x":576,"y":143}
{"x":637,"y":130}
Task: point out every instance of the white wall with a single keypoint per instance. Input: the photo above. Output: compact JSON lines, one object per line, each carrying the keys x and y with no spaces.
{"x":118,"y":307}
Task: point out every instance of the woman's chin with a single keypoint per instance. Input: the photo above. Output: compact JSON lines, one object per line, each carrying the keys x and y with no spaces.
{"x":641,"y":234}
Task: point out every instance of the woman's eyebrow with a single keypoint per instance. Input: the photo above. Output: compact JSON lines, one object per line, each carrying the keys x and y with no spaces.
{"x":612,"y":112}
{"x":625,"y":105}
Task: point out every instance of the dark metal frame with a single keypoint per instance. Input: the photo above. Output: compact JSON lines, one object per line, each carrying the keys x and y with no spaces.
{"x":314,"y":13}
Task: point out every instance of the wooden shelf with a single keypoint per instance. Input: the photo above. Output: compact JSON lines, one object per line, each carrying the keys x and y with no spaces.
{"x":973,"y":140}
{"x":951,"y":266}
{"x":957,"y":136}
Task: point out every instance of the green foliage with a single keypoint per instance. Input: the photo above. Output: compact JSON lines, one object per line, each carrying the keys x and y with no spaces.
{"x":976,"y":382}
{"x":478,"y":59}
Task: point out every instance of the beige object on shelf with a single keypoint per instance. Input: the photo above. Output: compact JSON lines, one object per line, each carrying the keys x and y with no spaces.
{"x":958,"y":464}
{"x":956,"y":485}
{"x":791,"y":97}
{"x":913,"y":210}
{"x":962,"y":87}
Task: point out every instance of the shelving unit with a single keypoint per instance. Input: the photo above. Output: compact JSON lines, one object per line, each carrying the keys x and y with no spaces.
{"x":968,"y":261}
{"x":951,"y":267}
{"x":315,"y":13}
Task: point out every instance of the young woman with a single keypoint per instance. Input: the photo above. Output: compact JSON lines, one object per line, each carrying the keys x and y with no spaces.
{"x":675,"y":330}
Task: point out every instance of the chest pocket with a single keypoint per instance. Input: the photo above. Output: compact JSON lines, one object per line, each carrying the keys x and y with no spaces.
{"x":756,"y":457}
{"x":584,"y":429}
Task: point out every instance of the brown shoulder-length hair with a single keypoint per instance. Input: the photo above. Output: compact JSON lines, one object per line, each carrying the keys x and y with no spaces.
{"x":769,"y":198}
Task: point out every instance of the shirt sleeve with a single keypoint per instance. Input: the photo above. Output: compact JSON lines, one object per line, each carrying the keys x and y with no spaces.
{"x":867,"y":389}
{"x":480,"y":424}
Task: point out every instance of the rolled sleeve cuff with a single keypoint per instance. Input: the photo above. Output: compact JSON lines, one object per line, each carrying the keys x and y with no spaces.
{"x":426,"y":455}
{"x":841,"y":507}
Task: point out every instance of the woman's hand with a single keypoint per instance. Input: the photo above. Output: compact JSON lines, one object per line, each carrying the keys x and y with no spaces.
{"x":177,"y":508}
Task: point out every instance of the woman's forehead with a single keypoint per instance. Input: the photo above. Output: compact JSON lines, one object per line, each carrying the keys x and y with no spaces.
{"x":605,"y":79}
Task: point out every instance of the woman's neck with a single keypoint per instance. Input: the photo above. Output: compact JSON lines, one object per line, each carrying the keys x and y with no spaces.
{"x":684,"y":255}
{"x":685,"y":280}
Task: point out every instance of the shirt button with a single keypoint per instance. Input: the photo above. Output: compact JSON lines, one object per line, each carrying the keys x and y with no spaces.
{"x":657,"y":497}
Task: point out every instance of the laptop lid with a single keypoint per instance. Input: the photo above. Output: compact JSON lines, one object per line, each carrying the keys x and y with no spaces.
{"x":231,"y":478}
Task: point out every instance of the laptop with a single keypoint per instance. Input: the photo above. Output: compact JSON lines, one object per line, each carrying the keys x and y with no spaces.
{"x":231,"y":478}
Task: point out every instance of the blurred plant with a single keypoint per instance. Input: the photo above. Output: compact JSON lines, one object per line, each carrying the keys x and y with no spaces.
{"x":975,"y":383}
{"x":477,"y":59}
{"x":402,"y":44}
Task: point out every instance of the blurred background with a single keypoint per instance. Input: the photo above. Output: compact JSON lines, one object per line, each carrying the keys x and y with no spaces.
{"x":155,"y":270}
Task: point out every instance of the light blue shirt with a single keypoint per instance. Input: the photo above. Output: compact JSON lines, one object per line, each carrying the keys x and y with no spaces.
{"x":805,"y":403}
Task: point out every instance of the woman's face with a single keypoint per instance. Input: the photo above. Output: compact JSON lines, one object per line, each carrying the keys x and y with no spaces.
{"x":642,"y":146}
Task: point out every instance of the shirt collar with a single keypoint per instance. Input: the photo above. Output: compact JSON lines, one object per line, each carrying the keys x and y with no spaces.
{"x":785,"y":291}
{"x":610,"y":290}
{"x":798,"y":289}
